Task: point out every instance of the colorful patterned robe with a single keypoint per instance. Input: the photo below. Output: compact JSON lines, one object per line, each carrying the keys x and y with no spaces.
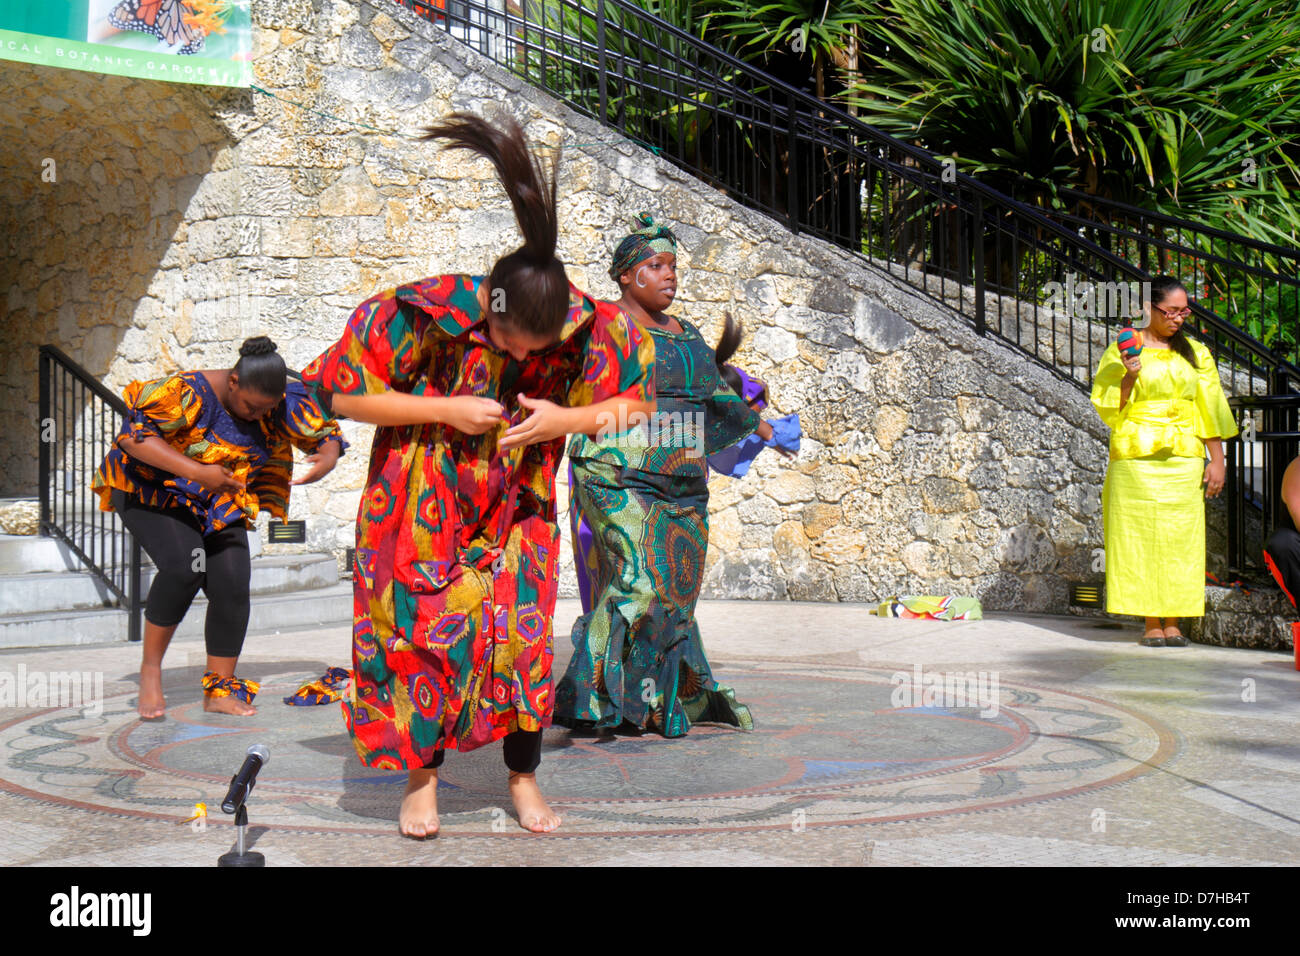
{"x":457,"y":544}
{"x":638,"y":657}
{"x":185,"y":412}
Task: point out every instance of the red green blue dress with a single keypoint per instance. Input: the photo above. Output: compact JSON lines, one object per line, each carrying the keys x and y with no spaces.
{"x":455,"y":578}
{"x":638,"y":658}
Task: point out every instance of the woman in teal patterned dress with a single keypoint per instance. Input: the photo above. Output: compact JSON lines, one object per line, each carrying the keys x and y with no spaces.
{"x":638,"y":661}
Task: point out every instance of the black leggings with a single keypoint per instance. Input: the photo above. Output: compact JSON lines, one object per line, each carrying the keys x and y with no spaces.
{"x":186,"y":561}
{"x":1282,"y":554}
{"x":523,"y":752}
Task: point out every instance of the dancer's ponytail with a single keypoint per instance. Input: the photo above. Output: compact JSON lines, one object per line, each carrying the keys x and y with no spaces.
{"x":728,"y":342}
{"x":530,"y":280}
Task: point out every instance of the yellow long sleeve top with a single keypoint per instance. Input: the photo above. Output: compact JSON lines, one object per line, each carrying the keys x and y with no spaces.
{"x":1172,"y":405}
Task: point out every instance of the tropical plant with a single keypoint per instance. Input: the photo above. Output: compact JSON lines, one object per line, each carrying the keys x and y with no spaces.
{"x":560,"y":52}
{"x":819,"y":31}
{"x":1164,"y":105}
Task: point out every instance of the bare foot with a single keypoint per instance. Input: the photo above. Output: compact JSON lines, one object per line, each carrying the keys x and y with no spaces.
{"x":419,"y":814}
{"x":534,"y":813}
{"x":151,"y":704}
{"x":229,"y":704}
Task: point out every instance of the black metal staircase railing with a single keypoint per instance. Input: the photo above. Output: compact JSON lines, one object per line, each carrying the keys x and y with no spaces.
{"x":1248,"y":283}
{"x":1052,"y":285}
{"x":79,"y":419}
{"x":1000,"y":263}
{"x":1256,"y":462}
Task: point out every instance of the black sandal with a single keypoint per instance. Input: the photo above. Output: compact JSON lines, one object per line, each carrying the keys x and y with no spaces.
{"x":1151,"y":641}
{"x":1178,"y":640}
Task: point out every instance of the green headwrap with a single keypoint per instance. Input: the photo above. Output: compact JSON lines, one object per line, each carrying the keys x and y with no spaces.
{"x":647,"y":241}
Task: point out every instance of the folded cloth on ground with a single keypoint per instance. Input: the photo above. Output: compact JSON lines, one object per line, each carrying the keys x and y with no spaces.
{"x":932,"y":607}
{"x":1234,"y":585}
{"x":326,"y":690}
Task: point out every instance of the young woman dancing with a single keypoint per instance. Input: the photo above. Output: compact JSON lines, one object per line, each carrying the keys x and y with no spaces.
{"x":474,"y":382}
{"x":638,"y":661}
{"x":201,"y":454}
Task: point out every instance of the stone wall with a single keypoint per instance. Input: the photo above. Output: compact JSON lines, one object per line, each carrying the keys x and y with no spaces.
{"x":186,"y":219}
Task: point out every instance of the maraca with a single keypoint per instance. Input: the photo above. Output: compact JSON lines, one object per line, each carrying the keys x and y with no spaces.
{"x":1129,"y":342}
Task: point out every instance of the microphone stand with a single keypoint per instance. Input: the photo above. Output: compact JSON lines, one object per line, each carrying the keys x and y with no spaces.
{"x":241,"y":856}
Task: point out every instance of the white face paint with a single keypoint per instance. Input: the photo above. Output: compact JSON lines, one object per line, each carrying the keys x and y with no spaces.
{"x":641,"y":283}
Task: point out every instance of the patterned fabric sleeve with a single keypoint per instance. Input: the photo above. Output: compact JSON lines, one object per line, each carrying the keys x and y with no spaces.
{"x":620,"y":361}
{"x":379,"y":351}
{"x":165,"y":408}
{"x":308,"y":425}
{"x":1106,"y":388}
{"x":1213,"y":414}
{"x":299,"y":423}
{"x":727,"y":418}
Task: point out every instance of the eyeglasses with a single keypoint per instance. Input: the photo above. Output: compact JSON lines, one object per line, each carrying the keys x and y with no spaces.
{"x":1172,"y":313}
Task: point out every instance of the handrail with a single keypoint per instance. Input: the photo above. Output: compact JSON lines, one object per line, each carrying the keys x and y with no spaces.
{"x":1113,"y":230}
{"x":103,"y":392}
{"x":785,"y":126}
{"x":1244,"y":281}
{"x":1174,"y":221}
{"x":79,"y":418}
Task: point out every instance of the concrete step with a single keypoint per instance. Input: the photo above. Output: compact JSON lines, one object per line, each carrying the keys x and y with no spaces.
{"x":273,"y":611}
{"x":72,"y":590}
{"x":21,"y":554}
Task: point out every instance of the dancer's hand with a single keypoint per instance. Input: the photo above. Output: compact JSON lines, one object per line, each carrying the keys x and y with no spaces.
{"x":322,"y":461}
{"x":1134,"y":365}
{"x":547,"y":421}
{"x":217,"y":480}
{"x":471,"y":414}
{"x":764,"y":431}
{"x":1213,"y":478}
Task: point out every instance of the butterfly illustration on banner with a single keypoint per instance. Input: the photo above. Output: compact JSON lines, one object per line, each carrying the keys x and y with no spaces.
{"x":173,"y":22}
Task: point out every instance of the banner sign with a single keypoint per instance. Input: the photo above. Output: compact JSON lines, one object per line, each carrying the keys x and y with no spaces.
{"x":184,"y":41}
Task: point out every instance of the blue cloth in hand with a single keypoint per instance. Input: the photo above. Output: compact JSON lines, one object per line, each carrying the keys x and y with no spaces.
{"x":735,"y":461}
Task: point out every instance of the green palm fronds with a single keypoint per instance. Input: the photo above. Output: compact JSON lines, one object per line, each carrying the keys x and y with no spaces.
{"x":1188,"y":108}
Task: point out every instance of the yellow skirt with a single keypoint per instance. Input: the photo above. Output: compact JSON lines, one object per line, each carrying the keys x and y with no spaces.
{"x":1154,"y":512}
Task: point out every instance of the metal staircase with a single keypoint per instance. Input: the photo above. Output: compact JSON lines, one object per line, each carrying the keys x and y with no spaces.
{"x":999,"y":261}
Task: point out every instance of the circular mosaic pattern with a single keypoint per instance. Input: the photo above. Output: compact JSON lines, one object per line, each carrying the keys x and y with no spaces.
{"x":831,"y":746}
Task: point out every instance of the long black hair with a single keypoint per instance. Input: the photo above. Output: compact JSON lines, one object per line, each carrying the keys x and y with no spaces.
{"x":531,"y":279}
{"x":260,"y":367}
{"x":1161,"y":288}
{"x":728,"y":342}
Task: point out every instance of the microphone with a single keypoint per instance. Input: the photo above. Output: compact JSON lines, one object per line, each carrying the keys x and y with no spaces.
{"x":1129,"y":342}
{"x":241,"y":784}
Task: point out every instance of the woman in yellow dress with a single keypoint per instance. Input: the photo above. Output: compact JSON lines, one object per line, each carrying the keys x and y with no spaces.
{"x":1165,"y":408}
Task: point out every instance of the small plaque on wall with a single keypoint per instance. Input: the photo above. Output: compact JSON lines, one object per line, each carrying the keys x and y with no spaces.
{"x":286,"y":532}
{"x":1087,"y":595}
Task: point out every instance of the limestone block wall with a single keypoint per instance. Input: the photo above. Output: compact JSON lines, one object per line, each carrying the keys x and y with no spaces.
{"x":187,"y":219}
